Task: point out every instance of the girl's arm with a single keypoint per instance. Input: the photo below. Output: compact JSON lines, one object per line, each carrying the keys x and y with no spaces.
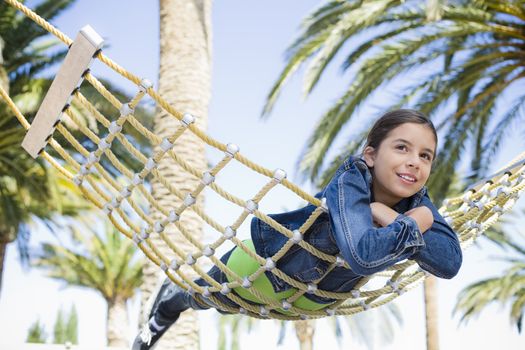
{"x":441,"y":254}
{"x":385,"y":215}
{"x":366,"y":248}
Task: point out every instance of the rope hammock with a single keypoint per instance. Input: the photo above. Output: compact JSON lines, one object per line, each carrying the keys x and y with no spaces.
{"x":122,"y":197}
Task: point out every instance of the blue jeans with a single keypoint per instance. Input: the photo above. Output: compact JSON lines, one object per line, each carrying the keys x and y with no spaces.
{"x":178,"y":300}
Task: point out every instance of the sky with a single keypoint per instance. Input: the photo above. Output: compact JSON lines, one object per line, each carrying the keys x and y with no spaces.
{"x":249,"y":41}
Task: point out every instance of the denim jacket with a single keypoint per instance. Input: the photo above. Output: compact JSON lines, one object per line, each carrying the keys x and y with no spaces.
{"x":348,"y":230}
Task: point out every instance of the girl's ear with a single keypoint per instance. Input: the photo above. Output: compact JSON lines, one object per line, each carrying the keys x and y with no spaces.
{"x":369,"y":156}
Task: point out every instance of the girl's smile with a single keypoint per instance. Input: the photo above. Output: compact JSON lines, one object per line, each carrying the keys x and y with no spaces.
{"x":408,"y":178}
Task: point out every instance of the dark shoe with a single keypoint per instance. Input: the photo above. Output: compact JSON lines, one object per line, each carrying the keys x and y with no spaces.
{"x":156,"y":325}
{"x":148,"y":336}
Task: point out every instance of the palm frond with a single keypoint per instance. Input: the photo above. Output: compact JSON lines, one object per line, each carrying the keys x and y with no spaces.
{"x":374,"y":72}
{"x":294,"y":63}
{"x":26,"y":30}
{"x":106,"y":263}
{"x":348,"y":25}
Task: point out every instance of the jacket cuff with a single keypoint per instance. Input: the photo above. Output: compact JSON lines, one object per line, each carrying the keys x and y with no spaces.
{"x":415,"y":238}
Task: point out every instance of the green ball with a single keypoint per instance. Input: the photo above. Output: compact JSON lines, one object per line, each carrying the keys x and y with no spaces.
{"x":243,"y":265}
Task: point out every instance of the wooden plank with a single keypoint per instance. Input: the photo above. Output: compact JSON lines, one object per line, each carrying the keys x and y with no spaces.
{"x":69,"y":76}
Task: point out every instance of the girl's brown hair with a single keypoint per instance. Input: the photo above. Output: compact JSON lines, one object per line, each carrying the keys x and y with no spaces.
{"x":391,"y":120}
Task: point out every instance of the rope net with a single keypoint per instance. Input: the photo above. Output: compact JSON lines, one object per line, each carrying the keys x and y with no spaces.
{"x":125,"y":196}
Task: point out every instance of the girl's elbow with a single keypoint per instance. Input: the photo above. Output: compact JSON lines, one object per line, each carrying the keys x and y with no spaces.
{"x":455,"y":265}
{"x":451,"y":272}
{"x":451,"y":267}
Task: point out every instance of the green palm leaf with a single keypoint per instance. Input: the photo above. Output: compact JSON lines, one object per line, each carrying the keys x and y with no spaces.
{"x":104,"y":262}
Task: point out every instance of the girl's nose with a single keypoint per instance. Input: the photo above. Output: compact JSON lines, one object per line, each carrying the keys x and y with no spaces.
{"x":413,"y":162}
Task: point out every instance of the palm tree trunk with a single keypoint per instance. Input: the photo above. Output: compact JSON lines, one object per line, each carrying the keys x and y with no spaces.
{"x":3,"y":246}
{"x":117,"y":324}
{"x":184,"y":81}
{"x":305,"y":333}
{"x":431,"y":313}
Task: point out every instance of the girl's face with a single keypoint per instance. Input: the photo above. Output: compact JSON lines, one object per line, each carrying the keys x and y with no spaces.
{"x":401,"y":164}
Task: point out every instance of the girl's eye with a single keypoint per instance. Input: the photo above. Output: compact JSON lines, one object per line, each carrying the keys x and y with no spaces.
{"x":426,"y":156}
{"x":401,"y":147}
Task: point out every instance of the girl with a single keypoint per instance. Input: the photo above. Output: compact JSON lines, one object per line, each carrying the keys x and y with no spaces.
{"x":379,"y":213}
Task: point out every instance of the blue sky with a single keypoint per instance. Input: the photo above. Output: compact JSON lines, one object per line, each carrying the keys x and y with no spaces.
{"x":249,"y":40}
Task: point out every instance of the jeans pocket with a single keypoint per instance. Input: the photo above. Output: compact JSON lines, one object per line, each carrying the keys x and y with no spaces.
{"x":347,"y":285}
{"x":313,"y":273}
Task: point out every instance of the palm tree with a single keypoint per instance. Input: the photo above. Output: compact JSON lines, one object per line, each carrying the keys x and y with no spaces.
{"x":27,"y":60}
{"x":466,"y":55}
{"x":305,"y":330}
{"x":508,"y":288}
{"x":29,"y":193}
{"x":27,"y":52}
{"x":105,"y":263}
{"x":184,"y":81}
{"x":28,"y":189}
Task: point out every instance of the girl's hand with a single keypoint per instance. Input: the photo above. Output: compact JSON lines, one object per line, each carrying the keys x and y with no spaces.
{"x":423,"y":217}
{"x":382,"y":214}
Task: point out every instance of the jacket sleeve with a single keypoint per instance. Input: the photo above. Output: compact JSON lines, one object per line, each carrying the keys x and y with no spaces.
{"x":441,"y":255}
{"x":367,"y":249}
